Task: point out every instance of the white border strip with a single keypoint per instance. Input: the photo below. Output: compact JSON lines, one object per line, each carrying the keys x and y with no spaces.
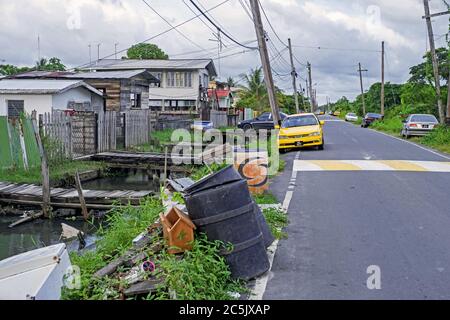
{"x":412,"y":143}
{"x":261,"y":283}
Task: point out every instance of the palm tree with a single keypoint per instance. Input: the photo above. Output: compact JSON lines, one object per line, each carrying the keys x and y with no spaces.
{"x":230,"y":82}
{"x":255,"y":89}
{"x":41,"y":64}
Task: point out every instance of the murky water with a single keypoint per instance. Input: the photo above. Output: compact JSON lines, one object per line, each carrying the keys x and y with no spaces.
{"x":40,"y":233}
{"x":136,"y":180}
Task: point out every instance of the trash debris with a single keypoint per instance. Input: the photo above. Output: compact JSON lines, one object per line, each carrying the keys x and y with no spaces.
{"x":221,"y":206}
{"x":178,"y":230}
{"x":69,"y":232}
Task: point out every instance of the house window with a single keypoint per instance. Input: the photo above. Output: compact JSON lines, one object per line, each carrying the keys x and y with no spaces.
{"x":179,"y":79}
{"x":15,"y":108}
{"x":136,"y":100}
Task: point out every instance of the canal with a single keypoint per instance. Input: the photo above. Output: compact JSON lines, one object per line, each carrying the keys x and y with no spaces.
{"x":40,"y":233}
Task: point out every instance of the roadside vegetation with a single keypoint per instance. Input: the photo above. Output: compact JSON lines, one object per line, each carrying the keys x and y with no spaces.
{"x":58,"y":172}
{"x":417,"y":95}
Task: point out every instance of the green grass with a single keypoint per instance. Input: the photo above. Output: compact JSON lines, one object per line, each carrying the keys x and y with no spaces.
{"x":390,"y":125}
{"x":57,"y":172}
{"x":200,"y":274}
{"x":438,"y":139}
{"x":277,"y":221}
{"x":265,"y":198}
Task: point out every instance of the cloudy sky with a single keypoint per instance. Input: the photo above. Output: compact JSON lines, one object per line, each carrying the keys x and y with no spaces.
{"x":347,"y":32}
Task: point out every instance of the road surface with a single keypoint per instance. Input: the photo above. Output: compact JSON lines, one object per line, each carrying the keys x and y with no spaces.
{"x":342,"y":222}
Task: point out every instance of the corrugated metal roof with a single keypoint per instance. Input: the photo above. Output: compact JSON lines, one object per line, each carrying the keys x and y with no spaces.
{"x":122,"y":74}
{"x":112,"y":64}
{"x":41,"y":86}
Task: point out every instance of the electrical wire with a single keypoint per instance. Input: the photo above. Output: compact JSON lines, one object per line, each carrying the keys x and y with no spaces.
{"x":270,"y":24}
{"x":171,"y":25}
{"x":218,"y":28}
{"x":157,"y":35}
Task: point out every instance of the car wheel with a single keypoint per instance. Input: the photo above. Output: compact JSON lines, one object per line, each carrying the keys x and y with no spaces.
{"x":407,"y":135}
{"x":322,"y":146}
{"x":247,"y":127}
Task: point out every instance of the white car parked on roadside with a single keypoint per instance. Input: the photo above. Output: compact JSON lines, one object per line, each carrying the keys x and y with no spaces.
{"x":351,"y":117}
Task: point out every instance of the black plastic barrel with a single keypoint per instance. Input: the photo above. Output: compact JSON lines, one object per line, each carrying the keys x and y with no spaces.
{"x":264,"y":227}
{"x":227,"y":213}
{"x":224,"y":176}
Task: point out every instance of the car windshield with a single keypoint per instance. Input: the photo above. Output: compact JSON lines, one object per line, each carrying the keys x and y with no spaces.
{"x":424,"y":118}
{"x":300,"y":121}
{"x":374,"y":115}
{"x":351,"y":114}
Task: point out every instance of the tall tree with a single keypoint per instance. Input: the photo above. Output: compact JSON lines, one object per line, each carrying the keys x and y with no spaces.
{"x":230,"y":82}
{"x":52,"y":64}
{"x":146,"y":51}
{"x":254,"y":93}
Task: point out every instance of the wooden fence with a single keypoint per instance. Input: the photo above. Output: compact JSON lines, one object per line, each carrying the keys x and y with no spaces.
{"x":137,"y":127}
{"x":223,"y":119}
{"x":106,"y":131}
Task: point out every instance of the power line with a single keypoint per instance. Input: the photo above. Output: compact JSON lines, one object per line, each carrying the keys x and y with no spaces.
{"x":218,"y":28}
{"x":334,"y":48}
{"x":171,"y":25}
{"x":159,"y":34}
{"x":246,"y":9}
{"x":270,"y":24}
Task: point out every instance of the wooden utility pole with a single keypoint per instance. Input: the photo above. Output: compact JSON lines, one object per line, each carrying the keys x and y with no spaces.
{"x":46,"y":208}
{"x":311,"y":94}
{"x":382,"y":78}
{"x":435,"y":62}
{"x":84,"y":209}
{"x":294,"y":77}
{"x":265,"y":61}
{"x":362,"y":88}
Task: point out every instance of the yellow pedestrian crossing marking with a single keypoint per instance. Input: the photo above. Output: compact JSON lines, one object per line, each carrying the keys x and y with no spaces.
{"x":371,"y":165}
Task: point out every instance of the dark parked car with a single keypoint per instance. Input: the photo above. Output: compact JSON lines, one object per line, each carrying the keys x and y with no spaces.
{"x":370,"y":118}
{"x":264,"y":121}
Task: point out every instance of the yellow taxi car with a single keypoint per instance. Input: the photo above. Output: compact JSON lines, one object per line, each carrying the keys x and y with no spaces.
{"x":301,"y":130}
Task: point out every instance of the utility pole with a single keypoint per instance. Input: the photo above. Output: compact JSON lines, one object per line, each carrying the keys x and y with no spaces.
{"x":382,"y":78}
{"x":302,"y":95}
{"x":39,"y":47}
{"x":294,"y":77}
{"x":115,"y":50}
{"x":362,"y":88}
{"x":90,"y":57}
{"x":265,"y":61}
{"x":435,"y":62}
{"x":98,"y":51}
{"x":311,"y":94}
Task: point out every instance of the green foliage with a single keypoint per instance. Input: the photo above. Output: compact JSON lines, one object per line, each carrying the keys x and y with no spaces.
{"x":423,"y":72}
{"x":52,"y":64}
{"x":11,"y":70}
{"x":123,"y":225}
{"x":146,"y":51}
{"x":203,"y":171}
{"x":202,"y":274}
{"x":277,"y":220}
{"x":265,"y":198}
{"x":439,"y":138}
{"x":390,"y":125}
{"x":254,"y":93}
{"x":199,"y":274}
{"x":58,"y":171}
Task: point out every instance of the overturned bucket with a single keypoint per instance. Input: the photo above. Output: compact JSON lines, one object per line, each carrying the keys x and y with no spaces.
{"x":219,"y":178}
{"x":264,"y":227}
{"x":227,"y":213}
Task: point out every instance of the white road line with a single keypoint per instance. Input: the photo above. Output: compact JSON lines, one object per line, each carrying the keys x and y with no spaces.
{"x":261,"y":282}
{"x":414,"y":144}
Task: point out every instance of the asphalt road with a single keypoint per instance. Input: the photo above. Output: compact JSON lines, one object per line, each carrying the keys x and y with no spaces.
{"x":343,"y":222}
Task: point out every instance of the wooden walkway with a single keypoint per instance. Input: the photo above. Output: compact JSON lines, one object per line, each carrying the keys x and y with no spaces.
{"x":149,"y":159}
{"x":29,"y":194}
